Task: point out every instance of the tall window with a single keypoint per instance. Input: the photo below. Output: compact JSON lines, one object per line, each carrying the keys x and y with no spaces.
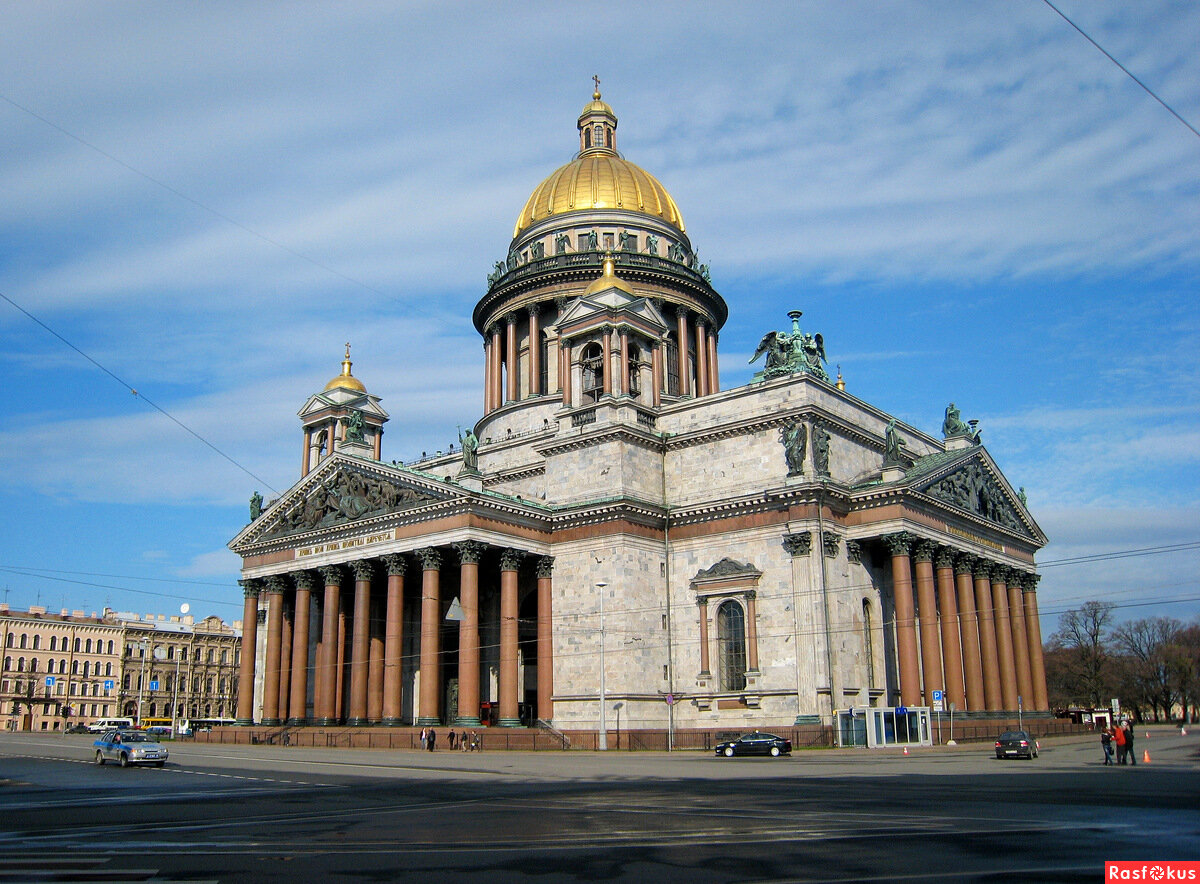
{"x":592,"y":360}
{"x":731,"y":646}
{"x":868,"y":643}
{"x":672,"y":367}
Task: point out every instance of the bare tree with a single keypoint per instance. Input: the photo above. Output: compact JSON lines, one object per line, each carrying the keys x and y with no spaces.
{"x":1145,"y":645}
{"x":1183,"y":662}
{"x":1082,"y":632}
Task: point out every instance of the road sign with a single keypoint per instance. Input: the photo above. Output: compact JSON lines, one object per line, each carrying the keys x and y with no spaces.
{"x":937,"y":701}
{"x":49,"y":681}
{"x":108,"y":684}
{"x":154,"y":685}
{"x":902,"y":710}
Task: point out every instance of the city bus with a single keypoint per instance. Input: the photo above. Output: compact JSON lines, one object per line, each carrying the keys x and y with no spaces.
{"x":191,"y":726}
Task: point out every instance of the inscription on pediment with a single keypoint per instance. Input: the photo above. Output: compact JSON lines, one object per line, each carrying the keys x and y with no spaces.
{"x":973,"y":489}
{"x":346,"y":496}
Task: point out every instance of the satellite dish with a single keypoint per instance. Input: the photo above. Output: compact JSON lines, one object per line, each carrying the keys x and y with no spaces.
{"x":160,"y":653}
{"x":184,"y":608}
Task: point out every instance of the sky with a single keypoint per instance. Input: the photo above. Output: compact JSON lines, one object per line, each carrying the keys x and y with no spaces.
{"x":203,"y":202}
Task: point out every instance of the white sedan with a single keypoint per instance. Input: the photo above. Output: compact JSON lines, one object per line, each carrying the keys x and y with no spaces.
{"x":128,"y":747}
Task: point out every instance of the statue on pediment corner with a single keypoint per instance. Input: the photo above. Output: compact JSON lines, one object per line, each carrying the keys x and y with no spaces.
{"x":953,"y":425}
{"x":893,"y":446}
{"x":256,"y":502}
{"x":791,"y":353}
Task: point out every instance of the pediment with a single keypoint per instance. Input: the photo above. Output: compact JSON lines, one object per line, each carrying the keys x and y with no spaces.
{"x":607,"y":304}
{"x":725,"y":568}
{"x":973,"y":485}
{"x":338,"y":493}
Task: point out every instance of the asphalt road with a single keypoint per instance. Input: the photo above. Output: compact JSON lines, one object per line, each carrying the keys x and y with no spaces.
{"x":226,"y":813}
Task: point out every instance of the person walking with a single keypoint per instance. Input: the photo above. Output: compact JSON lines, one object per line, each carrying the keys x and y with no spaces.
{"x":424,"y":738}
{"x":1119,"y":739}
{"x":1129,"y":741}
{"x":450,"y":738}
{"x":432,"y":739}
{"x":1106,"y":744}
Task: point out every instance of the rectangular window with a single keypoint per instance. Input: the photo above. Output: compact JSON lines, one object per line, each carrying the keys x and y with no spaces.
{"x":672,"y":368}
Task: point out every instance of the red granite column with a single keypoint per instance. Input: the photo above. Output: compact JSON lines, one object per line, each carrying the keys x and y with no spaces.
{"x":469,"y":554}
{"x":245,"y":710}
{"x":751,"y":632}
{"x":307,"y":452}
{"x":969,"y":625}
{"x":606,"y":361}
{"x":681,"y":337}
{"x":701,"y":358}
{"x":702,"y":604}
{"x":276,"y":584}
{"x":511,"y":358}
{"x":487,"y":375}
{"x":656,"y":371}
{"x":906,"y":628}
{"x":1033,"y":629}
{"x":510,"y":561}
{"x":430,"y":701}
{"x":1019,"y":639}
{"x":626,"y":386}
{"x":545,"y":638}
{"x":714,"y":375}
{"x":339,"y":697}
{"x":285,"y":660}
{"x":535,"y":352}
{"x":564,"y":356}
{"x":988,"y":657}
{"x":359,"y":649}
{"x":393,"y":639}
{"x":375,"y":665}
{"x":298,"y":702}
{"x":952,"y":658}
{"x":931,"y":656}
{"x":497,"y":369}
{"x":1004,"y":642}
{"x":327,"y":670}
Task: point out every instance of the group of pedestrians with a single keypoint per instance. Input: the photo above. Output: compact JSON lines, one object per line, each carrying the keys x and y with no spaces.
{"x":467,"y":742}
{"x":1121,"y":736}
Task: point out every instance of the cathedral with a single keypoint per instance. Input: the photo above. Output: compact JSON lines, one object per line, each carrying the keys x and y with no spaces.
{"x":619,"y":537}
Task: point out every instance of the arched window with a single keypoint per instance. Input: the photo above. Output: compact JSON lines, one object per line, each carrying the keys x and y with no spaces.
{"x":10,"y":640}
{"x":592,"y":363}
{"x":87,"y":646}
{"x":78,"y":645}
{"x":869,"y":643}
{"x":24,"y":641}
{"x":85,"y":668}
{"x":33,"y":664}
{"x":108,"y":668}
{"x":37,"y":642}
{"x":20,"y":664}
{"x":8,"y":663}
{"x":62,"y":665}
{"x":731,"y":646}
{"x":74,"y":667}
{"x":110,"y":646}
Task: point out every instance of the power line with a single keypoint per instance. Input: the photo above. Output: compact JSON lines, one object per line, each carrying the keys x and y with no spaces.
{"x":138,"y":395}
{"x":1128,"y":73}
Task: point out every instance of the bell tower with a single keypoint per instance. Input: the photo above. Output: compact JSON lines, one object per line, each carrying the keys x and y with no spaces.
{"x":342,"y":417}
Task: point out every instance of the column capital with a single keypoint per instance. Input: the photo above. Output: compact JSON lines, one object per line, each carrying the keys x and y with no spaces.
{"x":853,"y":552}
{"x":510,"y":559}
{"x":251,"y":587}
{"x":964,"y":563}
{"x":304,"y":579}
{"x":431,"y":558}
{"x":898,"y":544}
{"x":830,"y":542}
{"x":469,"y":551}
{"x":332,"y":574}
{"x":277,"y":584}
{"x":944,"y":557}
{"x":492,"y":330}
{"x":396,"y":564}
{"x":534,"y":309}
{"x":545,"y":566}
{"x":1001,"y":574}
{"x":702,"y":601}
{"x":364,"y":569}
{"x":923,"y":550}
{"x":798,"y":544}
{"x":1029,"y":581}
{"x":511,"y":317}
{"x":985,"y":568}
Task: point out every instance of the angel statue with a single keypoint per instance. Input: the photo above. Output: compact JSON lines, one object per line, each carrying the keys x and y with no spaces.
{"x":792,"y":353}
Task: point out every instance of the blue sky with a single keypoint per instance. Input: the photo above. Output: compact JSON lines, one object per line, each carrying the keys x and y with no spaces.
{"x":969,"y":201}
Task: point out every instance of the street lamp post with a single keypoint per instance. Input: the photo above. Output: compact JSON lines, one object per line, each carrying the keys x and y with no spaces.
{"x":617,"y":709}
{"x":142,"y":646}
{"x":602,"y":740}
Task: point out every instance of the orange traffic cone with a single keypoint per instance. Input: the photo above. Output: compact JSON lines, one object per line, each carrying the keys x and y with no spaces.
{"x":1145,"y":756}
{"x":905,"y":750}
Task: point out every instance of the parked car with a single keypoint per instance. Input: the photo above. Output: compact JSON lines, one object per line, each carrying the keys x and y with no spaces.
{"x":78,"y":729}
{"x":105,"y":724}
{"x":755,"y":744}
{"x":1016,"y":744}
{"x":130,"y":747}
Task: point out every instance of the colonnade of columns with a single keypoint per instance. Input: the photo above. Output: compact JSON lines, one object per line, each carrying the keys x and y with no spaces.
{"x":347,"y":643}
{"x":969,"y":628}
{"x":696,"y":355}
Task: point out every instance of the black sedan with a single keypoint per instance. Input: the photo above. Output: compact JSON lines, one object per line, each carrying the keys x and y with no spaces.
{"x":1016,"y":744}
{"x":755,"y":744}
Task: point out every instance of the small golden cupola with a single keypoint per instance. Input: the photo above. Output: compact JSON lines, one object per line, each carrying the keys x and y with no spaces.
{"x":346,"y":380}
{"x":608,"y":279}
{"x":597,"y":125}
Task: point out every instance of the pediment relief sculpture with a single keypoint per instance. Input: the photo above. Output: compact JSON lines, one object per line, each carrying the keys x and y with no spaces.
{"x":727,"y":568}
{"x":344,"y":496}
{"x":972,"y":488}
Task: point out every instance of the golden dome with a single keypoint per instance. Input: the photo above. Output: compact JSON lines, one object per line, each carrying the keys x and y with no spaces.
{"x":346,"y":380}
{"x":598,"y":178}
{"x":608,"y":279}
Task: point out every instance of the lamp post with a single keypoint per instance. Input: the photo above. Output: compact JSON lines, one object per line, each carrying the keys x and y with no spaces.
{"x":617,"y":709}
{"x":602,"y":739}
{"x":142,"y":646}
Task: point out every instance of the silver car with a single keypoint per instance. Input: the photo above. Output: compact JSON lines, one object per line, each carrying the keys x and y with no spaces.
{"x":127,"y":747}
